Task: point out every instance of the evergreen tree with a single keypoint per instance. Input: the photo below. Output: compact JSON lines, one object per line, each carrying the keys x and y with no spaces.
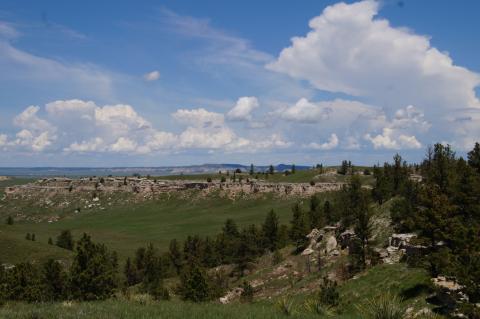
{"x":193,"y":249}
{"x":194,"y":284}
{"x":382,"y":189}
{"x":343,"y":168}
{"x":9,"y":220}
{"x":293,"y":169}
{"x":130,"y":273}
{"x":28,"y":236}
{"x":24,"y":283}
{"x":50,"y":241}
{"x":270,"y":231}
{"x":210,"y":258}
{"x":92,"y":274}
{"x":299,"y":227}
{"x":363,"y":230}
{"x":247,"y":249}
{"x":139,"y":263}
{"x":175,"y":255}
{"x":33,"y":237}
{"x":152,"y":273}
{"x":271,"y":170}
{"x":283,"y":236}
{"x":328,"y":213}
{"x":55,"y":280}
{"x":352,"y":201}
{"x":474,"y":157}
{"x":252,"y":169}
{"x":315,"y":217}
{"x":65,"y":240}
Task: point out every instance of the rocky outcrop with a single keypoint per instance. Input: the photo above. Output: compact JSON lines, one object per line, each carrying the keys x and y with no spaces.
{"x":232,"y":295}
{"x":149,"y":187}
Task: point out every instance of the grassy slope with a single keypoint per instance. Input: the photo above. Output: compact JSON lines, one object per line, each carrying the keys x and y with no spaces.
{"x":126,"y":228}
{"x":394,"y":279}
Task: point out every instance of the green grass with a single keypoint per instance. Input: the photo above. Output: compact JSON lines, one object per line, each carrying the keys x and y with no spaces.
{"x":133,"y":310}
{"x":395,"y":280}
{"x":125,"y":228}
{"x":16,"y":249}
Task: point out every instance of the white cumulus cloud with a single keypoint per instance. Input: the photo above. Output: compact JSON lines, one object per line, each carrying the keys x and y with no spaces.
{"x":152,"y":76}
{"x":243,"y":108}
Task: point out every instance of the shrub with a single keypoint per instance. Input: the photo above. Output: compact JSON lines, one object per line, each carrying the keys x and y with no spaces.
{"x":209,"y":179}
{"x":9,"y":220}
{"x":384,"y":307}
{"x":312,"y":183}
{"x":315,"y":306}
{"x":65,"y":240}
{"x":286,"y":306}
{"x":194,"y":284}
{"x":328,"y":294}
{"x":277,"y":257}
{"x":247,"y":294}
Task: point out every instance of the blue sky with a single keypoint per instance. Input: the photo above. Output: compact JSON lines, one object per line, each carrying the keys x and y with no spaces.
{"x":187,"y":82}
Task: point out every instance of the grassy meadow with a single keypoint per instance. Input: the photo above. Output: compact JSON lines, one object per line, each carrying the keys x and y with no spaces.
{"x":127,"y":227}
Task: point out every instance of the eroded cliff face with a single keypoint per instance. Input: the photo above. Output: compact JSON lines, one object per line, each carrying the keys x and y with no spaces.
{"x":149,"y":187}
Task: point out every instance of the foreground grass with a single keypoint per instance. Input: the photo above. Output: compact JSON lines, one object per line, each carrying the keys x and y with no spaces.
{"x":134,"y":310}
{"x":394,"y":280}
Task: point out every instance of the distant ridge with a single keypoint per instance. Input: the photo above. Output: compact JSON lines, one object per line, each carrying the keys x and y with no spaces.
{"x":125,"y":171}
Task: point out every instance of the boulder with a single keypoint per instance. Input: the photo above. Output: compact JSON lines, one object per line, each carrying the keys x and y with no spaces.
{"x":231,"y":295}
{"x":331,"y":244}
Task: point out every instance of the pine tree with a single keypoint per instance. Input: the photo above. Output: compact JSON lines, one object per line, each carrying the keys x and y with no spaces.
{"x":24,"y":283}
{"x":299,"y":227}
{"x":28,"y":236}
{"x":130,"y":273}
{"x":65,"y":240}
{"x":153,"y":270}
{"x":55,"y":280}
{"x":93,"y":273}
{"x":293,"y":169}
{"x":252,"y":169}
{"x":271,"y":170}
{"x":210,"y":258}
{"x":315,"y":217}
{"x":343,"y":168}
{"x":9,"y":220}
{"x":474,"y":157}
{"x":50,"y":241}
{"x":175,"y":255}
{"x":33,"y":237}
{"x":194,"y":284}
{"x":139,"y":263}
{"x":328,"y":213}
{"x":270,"y":231}
{"x":363,"y":230}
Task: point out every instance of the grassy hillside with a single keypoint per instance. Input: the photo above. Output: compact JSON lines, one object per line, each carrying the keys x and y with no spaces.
{"x":125,"y":228}
{"x":394,"y":279}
